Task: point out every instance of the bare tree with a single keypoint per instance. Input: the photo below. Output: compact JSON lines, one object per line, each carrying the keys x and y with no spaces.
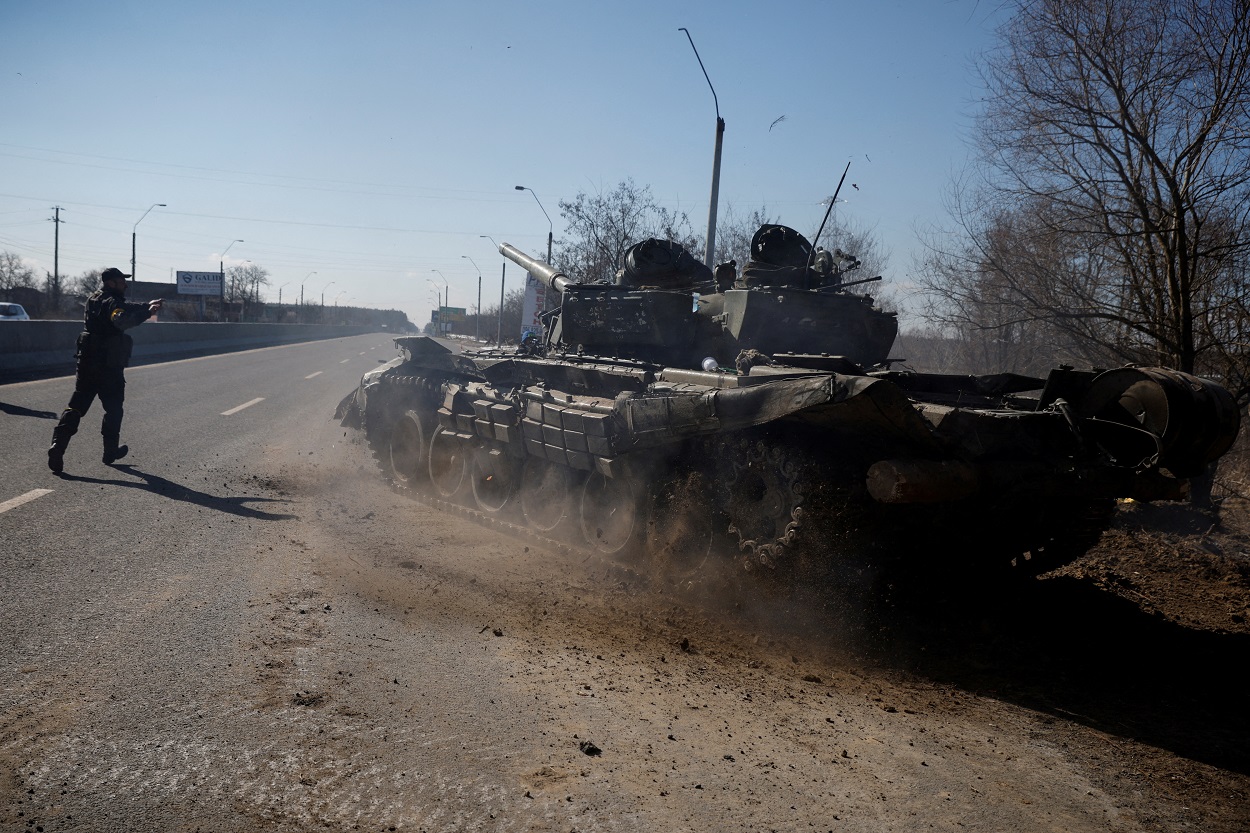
{"x":1116,"y":209}
{"x":734,"y":233}
{"x":14,"y":273}
{"x":490,"y":321}
{"x":602,"y":227}
{"x":83,"y":285}
{"x":243,"y":282}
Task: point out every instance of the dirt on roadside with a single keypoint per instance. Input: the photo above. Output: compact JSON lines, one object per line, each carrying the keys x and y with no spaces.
{"x":1118,"y":676}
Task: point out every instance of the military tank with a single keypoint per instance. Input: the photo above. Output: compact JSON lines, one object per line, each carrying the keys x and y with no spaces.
{"x":681,"y":413}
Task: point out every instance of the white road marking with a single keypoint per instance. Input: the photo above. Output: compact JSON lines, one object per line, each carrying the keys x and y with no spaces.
{"x":20,"y":499}
{"x":362,"y":352}
{"x":235,"y":410}
{"x":311,"y":375}
{"x":345,"y":361}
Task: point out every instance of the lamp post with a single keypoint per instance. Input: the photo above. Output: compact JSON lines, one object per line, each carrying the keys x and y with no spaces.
{"x":709,"y":253}
{"x":477,"y":319}
{"x":134,"y":232}
{"x":545,"y":214}
{"x":301,"y":287}
{"x":288,"y":283}
{"x":435,"y":317}
{"x":323,"y":296}
{"x":447,"y":293}
{"x":221,"y":266}
{"x":502,"y":272}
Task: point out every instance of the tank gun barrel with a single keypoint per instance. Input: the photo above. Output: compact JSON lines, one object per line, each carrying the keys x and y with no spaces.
{"x":839,"y":287}
{"x":544,"y":272}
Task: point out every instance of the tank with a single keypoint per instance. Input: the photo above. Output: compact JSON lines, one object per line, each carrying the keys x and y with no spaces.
{"x":680,"y":414}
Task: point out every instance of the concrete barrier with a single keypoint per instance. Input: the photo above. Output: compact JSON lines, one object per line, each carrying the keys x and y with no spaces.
{"x":34,"y":346}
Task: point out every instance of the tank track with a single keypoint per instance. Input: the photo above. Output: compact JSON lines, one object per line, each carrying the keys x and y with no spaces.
{"x":378,"y":439}
{"x":1062,"y":540}
{"x":488,"y":521}
{"x":764,"y":547}
{"x":804,"y":516}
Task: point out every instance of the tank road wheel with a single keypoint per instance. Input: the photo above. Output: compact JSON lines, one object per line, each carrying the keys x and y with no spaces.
{"x":408,"y":450}
{"x":447,"y":464}
{"x":496,"y":478}
{"x":680,"y":527}
{"x":547,"y":497}
{"x":765,"y":502}
{"x":613,"y":515}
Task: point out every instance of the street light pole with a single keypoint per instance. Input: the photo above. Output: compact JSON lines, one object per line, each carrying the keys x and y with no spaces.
{"x":550,"y":228}
{"x":134,"y":232}
{"x":221,"y":266}
{"x":288,"y":283}
{"x":709,"y":253}
{"x":502,"y":273}
{"x":447,"y":292}
{"x":437,"y":298}
{"x":301,"y":287}
{"x":323,"y":296}
{"x":477,"y":319}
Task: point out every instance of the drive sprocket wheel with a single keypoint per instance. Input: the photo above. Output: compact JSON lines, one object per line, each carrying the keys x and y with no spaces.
{"x":764,"y":500}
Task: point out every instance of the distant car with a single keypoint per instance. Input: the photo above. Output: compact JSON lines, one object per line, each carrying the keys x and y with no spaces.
{"x":13,"y":312}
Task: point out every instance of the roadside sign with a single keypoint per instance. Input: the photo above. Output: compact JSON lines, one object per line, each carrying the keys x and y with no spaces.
{"x":199,"y":283}
{"x":535,"y":303}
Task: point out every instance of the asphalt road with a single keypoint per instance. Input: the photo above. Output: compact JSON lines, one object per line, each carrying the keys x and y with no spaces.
{"x":127,"y":589}
{"x":243,"y":628}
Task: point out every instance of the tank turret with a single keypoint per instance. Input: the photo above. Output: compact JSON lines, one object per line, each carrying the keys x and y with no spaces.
{"x":665,"y":306}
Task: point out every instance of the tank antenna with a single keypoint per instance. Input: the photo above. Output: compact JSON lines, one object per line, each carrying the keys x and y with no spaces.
{"x":709,"y":253}
{"x":816,"y":240}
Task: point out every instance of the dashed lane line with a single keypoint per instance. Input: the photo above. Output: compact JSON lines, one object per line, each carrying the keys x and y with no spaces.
{"x":238,"y":408}
{"x":345,"y":361}
{"x":20,"y":499}
{"x":313,"y":375}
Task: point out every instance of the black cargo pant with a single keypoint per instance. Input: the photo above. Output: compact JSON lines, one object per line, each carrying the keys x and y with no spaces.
{"x":92,"y":380}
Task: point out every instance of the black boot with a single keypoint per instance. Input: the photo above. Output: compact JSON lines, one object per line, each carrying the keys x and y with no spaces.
{"x":56,"y":457}
{"x":114,"y":452}
{"x":56,"y":452}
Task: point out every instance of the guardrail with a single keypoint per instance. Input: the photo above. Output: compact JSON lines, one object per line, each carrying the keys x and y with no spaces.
{"x":33,"y":346}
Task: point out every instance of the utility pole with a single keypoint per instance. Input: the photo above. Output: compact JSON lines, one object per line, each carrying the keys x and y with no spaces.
{"x":56,"y":257}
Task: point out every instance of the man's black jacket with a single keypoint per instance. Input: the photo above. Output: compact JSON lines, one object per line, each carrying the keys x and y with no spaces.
{"x":104,"y":342}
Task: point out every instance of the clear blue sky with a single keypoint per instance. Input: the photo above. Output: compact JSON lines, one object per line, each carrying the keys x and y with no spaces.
{"x":373,"y":142}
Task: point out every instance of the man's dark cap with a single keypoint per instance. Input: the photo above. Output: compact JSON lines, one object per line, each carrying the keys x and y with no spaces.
{"x":112,"y":274}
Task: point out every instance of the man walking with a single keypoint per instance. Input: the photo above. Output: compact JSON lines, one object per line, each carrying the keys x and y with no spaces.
{"x":103,"y":353}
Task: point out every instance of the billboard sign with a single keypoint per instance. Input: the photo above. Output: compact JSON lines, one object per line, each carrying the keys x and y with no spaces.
{"x":449,"y":314}
{"x":199,"y":283}
{"x":535,"y":303}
